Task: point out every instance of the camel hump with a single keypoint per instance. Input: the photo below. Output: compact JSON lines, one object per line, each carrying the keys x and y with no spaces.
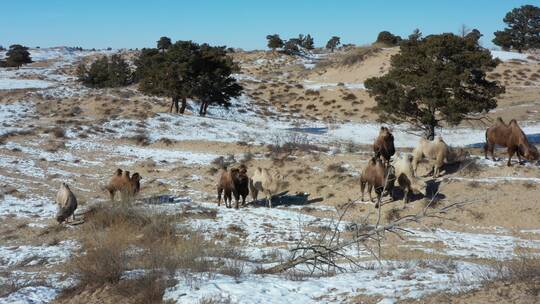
{"x":513,"y":122}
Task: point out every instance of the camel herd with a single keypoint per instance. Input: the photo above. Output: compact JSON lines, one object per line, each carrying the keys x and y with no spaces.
{"x":382,"y":176}
{"x":381,"y":173}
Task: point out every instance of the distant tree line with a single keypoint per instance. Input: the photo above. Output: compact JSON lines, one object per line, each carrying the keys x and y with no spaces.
{"x":291,"y":46}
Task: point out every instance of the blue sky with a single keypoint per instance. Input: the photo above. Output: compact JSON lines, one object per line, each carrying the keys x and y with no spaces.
{"x":237,"y":23}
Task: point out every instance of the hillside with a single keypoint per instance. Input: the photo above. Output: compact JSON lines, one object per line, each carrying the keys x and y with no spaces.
{"x":307,"y":118}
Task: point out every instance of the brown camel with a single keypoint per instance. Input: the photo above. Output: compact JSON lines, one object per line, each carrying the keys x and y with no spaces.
{"x":510,"y":136}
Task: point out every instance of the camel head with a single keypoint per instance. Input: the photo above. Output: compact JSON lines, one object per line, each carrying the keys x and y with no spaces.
{"x":530,"y":152}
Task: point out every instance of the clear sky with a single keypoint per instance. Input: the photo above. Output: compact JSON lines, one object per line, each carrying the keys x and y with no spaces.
{"x":237,"y":23}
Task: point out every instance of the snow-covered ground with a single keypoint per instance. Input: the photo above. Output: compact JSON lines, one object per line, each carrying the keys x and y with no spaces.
{"x":392,"y":280}
{"x":505,"y":55}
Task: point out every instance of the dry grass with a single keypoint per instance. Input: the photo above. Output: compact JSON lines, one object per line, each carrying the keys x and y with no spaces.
{"x":358,"y":55}
{"x":116,"y":239}
{"x":523,"y":269}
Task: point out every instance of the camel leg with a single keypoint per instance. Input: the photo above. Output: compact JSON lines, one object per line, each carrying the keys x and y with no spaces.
{"x":511,"y":152}
{"x":219,"y":192}
{"x":254,"y":194}
{"x":405,"y":197}
{"x":492,"y":151}
{"x":362,"y":187}
{"x":236,"y":200}
{"x":269,"y":200}
{"x":369,"y":187}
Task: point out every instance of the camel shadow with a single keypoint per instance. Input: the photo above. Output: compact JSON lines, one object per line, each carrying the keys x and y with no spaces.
{"x":285,"y":199}
{"x":432,"y":190}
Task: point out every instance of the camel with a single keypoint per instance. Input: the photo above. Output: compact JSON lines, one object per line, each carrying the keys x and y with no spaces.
{"x":263,"y":181}
{"x":406,"y":179}
{"x":67,"y":203}
{"x":438,"y":152}
{"x":512,"y":137}
{"x":233,"y":182}
{"x":384,"y":145}
{"x":121,"y":182}
{"x":377,"y":175}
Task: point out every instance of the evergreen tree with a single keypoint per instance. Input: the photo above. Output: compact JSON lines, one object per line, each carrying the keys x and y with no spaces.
{"x":164,"y":43}
{"x":307,"y":42}
{"x":274,"y":42}
{"x":522,"y":31}
{"x":17,"y":55}
{"x":105,"y":72}
{"x":333,"y":43}
{"x":439,"y":78}
{"x":119,"y":72}
{"x":291,"y":46}
{"x":388,"y":38}
{"x":188,"y":70}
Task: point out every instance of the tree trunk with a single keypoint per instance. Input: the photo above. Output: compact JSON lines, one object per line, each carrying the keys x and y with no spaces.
{"x":430,"y":132}
{"x":201,"y":109}
{"x":184,"y":105}
{"x":174,"y":103}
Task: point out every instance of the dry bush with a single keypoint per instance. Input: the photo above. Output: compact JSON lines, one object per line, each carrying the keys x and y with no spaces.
{"x":141,"y":138}
{"x":349,"y":96}
{"x":311,"y":92}
{"x":116,"y":239}
{"x":291,"y":143}
{"x":471,"y":167}
{"x":392,"y":214}
{"x":336,"y":167}
{"x":530,"y":185}
{"x":58,"y":132}
{"x":358,"y":55}
{"x":525,"y":269}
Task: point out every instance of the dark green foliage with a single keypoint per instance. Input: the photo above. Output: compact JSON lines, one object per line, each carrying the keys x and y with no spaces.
{"x":388,"y":38}
{"x":291,"y":47}
{"x":188,"y":70}
{"x":105,"y":72}
{"x":434,"y":79}
{"x":307,"y":42}
{"x":522,"y":31}
{"x":17,"y":55}
{"x":333,"y":43}
{"x":2,"y":48}
{"x":274,"y":42}
{"x":164,"y":43}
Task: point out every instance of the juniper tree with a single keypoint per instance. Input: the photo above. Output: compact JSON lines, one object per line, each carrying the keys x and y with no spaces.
{"x":164,"y":43}
{"x":434,"y":80}
{"x":274,"y":42}
{"x":522,"y":31}
{"x":188,"y":70}
{"x":333,"y":43}
{"x":17,"y":55}
{"x":308,"y":43}
{"x":105,"y":72}
{"x":388,"y":38}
